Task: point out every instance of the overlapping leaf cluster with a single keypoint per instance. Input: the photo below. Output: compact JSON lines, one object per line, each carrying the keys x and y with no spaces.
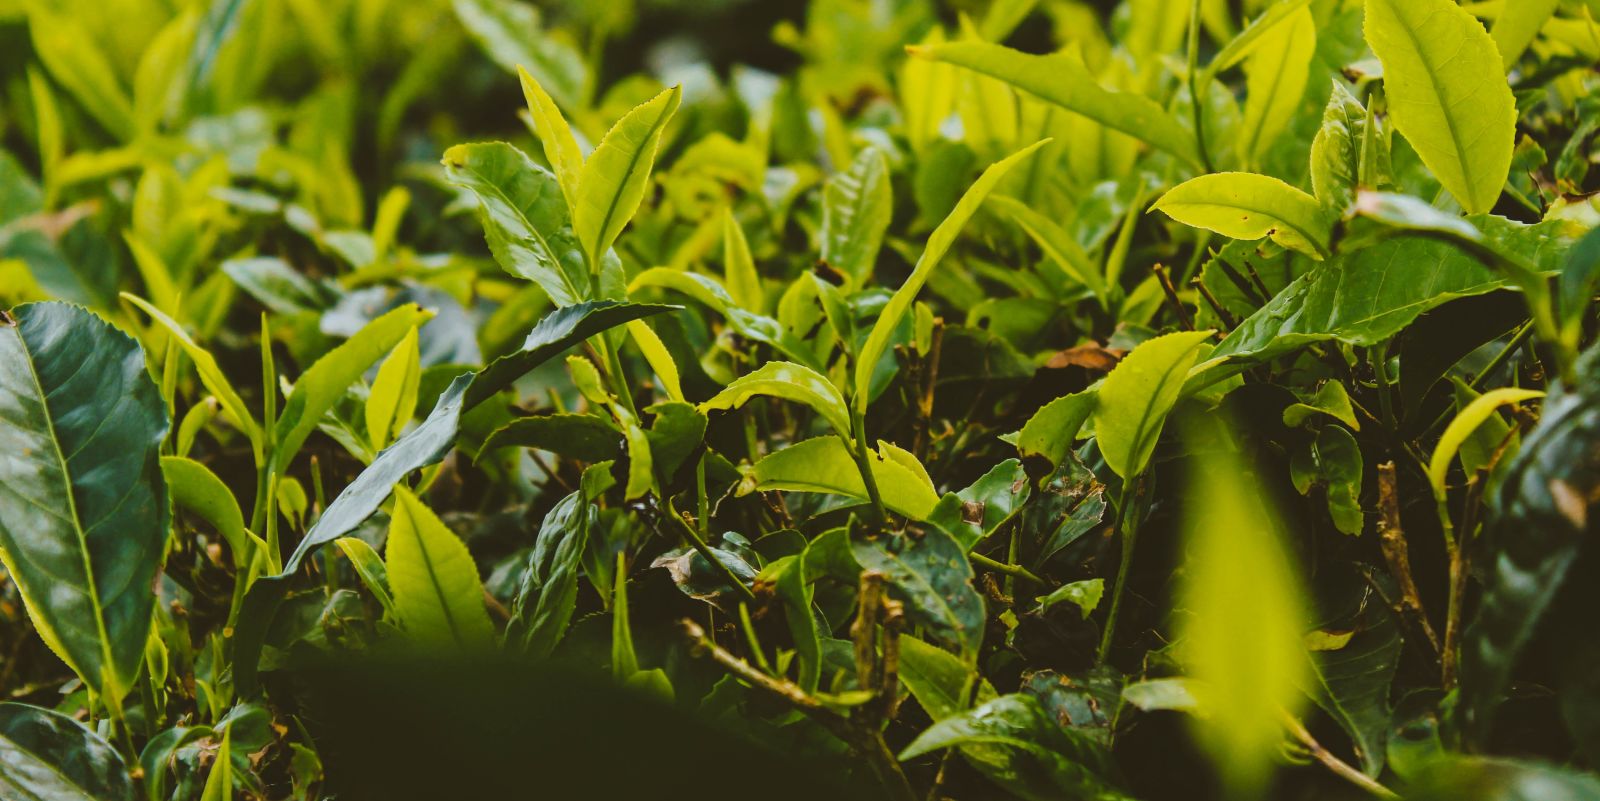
{"x":1036,"y":398}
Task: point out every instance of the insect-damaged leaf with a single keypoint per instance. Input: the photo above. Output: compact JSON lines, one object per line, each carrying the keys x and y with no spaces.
{"x":1013,"y":742}
{"x":83,"y":505}
{"x":1244,"y":205}
{"x":928,"y":570}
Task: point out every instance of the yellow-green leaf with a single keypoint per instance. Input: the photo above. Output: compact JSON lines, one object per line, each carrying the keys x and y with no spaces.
{"x":616,"y":174}
{"x":660,"y":359}
{"x":1447,"y":94}
{"x":560,"y":147}
{"x":1242,"y":623}
{"x":1132,"y":404}
{"x":1276,"y":76}
{"x":739,"y":267}
{"x":824,"y":464}
{"x":210,"y":374}
{"x":788,"y":381}
{"x":437,"y":595}
{"x":1245,"y":205}
{"x":1462,"y":427}
{"x":393,"y":400}
{"x":939,"y":243}
{"x":1063,"y":80}
{"x":1519,"y":22}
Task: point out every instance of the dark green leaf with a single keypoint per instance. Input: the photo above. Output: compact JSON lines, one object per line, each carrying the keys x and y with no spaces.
{"x":84,"y":515}
{"x":928,"y":570}
{"x":48,"y":756}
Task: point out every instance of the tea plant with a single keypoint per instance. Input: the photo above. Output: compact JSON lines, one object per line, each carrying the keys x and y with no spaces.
{"x":1028,"y":398}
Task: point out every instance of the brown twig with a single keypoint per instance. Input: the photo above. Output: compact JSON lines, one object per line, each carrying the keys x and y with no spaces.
{"x":868,"y":744}
{"x":1222,"y":313}
{"x":1395,"y":552}
{"x":1172,"y":296}
{"x":864,"y":632}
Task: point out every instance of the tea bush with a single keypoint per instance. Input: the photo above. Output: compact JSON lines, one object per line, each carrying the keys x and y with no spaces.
{"x":863,"y":398}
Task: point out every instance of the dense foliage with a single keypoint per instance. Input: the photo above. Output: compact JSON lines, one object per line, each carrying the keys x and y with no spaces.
{"x":866,"y":398}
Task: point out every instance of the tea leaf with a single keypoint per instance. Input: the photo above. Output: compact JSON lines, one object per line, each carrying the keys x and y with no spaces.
{"x":48,"y":755}
{"x":437,"y":596}
{"x":616,"y":174}
{"x":824,"y":464}
{"x":84,"y":514}
{"x":1248,"y":206}
{"x":1132,"y":405}
{"x":1447,"y":94}
{"x":857,"y":206}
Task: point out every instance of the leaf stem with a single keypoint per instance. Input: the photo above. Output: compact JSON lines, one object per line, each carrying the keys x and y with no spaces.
{"x":699,"y":544}
{"x":863,"y":458}
{"x":1128,"y":527}
{"x":1195,"y":103}
{"x":1013,"y":571}
{"x":1338,"y":766}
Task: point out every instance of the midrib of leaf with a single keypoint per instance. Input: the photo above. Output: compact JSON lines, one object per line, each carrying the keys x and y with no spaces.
{"x":438,"y":588}
{"x":1449,"y":122}
{"x":537,"y":235}
{"x":108,"y":667}
{"x":633,"y":162}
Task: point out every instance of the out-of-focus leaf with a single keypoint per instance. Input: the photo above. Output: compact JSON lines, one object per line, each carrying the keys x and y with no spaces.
{"x":210,"y":374}
{"x":739,"y":266}
{"x":1352,"y":685}
{"x":1057,"y":244}
{"x":1488,"y":779}
{"x":393,"y":400}
{"x":1243,"y":623}
{"x":84,"y":515}
{"x":1244,"y":205}
{"x":1517,"y":26}
{"x":437,"y":596}
{"x":940,"y":681}
{"x":1447,"y":94}
{"x":1462,"y":427}
{"x":548,"y":593}
{"x":789,"y":582}
{"x":824,"y":464}
{"x":195,"y":488}
{"x":512,"y":34}
{"x":324,"y":383}
{"x":48,"y":756}
{"x":371,"y":570}
{"x":928,"y":570}
{"x":1276,"y":74}
{"x":1131,"y":406}
{"x":1064,"y":81}
{"x":857,"y":205}
{"x":1543,"y":513}
{"x":583,"y":437}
